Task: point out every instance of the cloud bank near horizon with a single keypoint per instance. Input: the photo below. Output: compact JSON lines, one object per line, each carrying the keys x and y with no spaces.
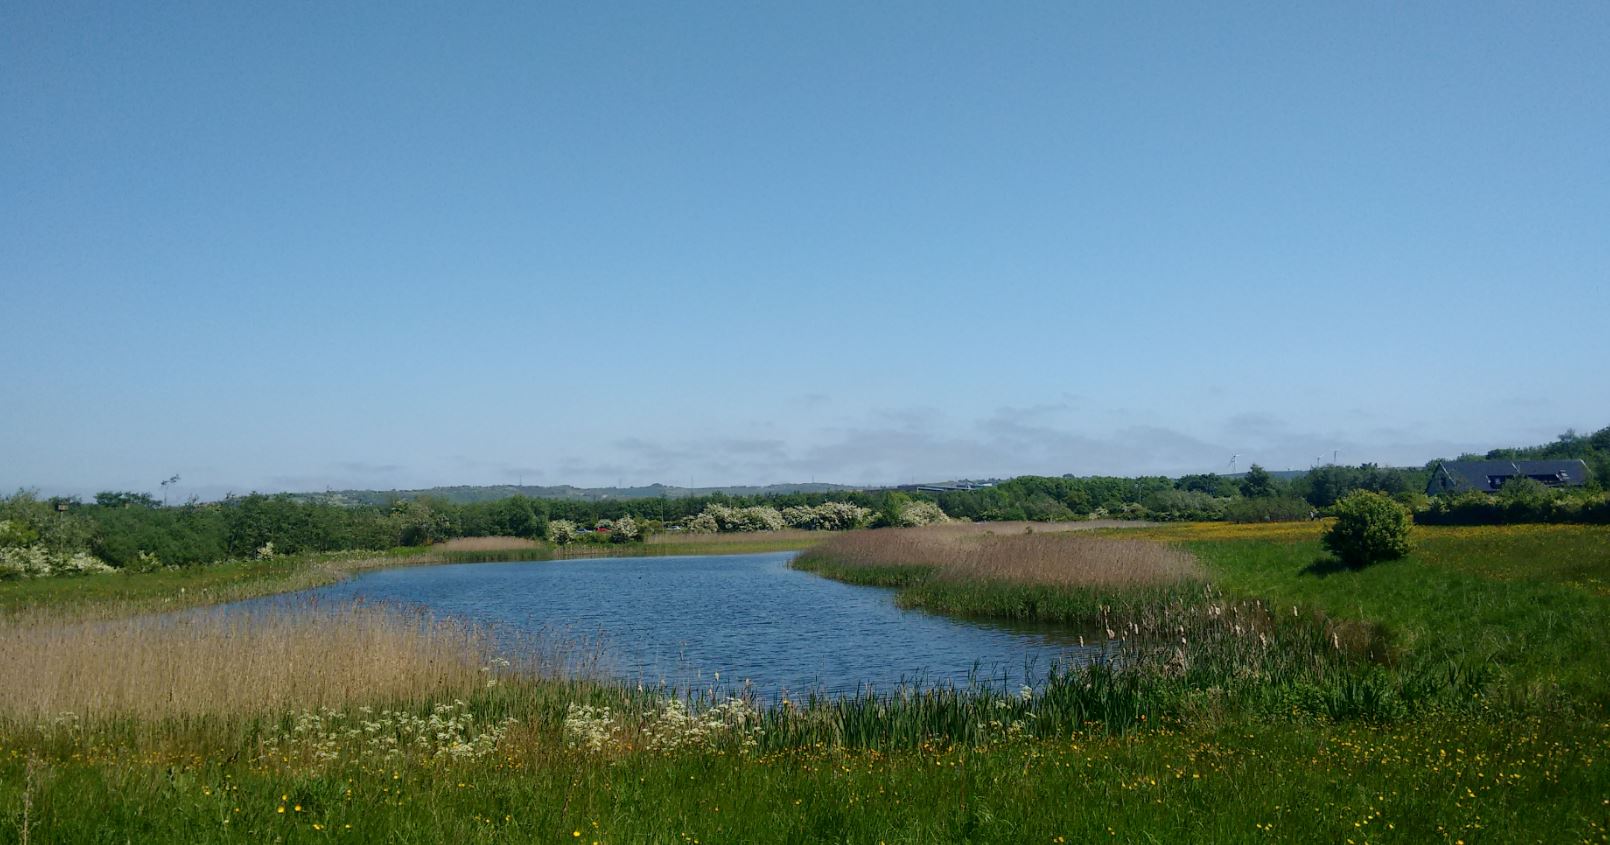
{"x":885,"y":447}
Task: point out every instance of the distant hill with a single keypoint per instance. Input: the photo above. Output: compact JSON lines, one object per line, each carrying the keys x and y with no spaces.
{"x":465,"y":494}
{"x":1593,"y":448}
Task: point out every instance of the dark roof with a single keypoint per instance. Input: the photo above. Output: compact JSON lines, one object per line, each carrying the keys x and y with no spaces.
{"x":1488,"y":476}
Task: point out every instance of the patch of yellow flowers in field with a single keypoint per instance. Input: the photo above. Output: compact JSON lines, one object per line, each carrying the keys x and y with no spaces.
{"x":1277,"y":531}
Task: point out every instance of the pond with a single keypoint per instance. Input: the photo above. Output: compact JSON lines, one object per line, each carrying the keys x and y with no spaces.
{"x":698,"y":621}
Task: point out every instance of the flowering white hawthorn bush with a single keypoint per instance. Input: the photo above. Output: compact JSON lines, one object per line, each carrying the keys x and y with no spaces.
{"x":627,"y":528}
{"x":38,"y":562}
{"x":562,"y":531}
{"x":828,"y":516}
{"x":800,"y":516}
{"x":841,"y":516}
{"x":762,"y":518}
{"x":704,"y":523}
{"x":921,"y":513}
{"x":757,"y":518}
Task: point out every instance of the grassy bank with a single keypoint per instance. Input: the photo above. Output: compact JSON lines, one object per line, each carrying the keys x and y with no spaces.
{"x":1528,"y":601}
{"x":166,"y":589}
{"x":1470,"y":781}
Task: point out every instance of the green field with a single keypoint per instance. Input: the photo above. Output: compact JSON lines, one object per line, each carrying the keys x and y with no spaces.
{"x":1530,"y":601}
{"x":1455,"y":695}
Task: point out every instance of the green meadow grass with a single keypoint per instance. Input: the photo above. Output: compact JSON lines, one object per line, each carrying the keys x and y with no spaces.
{"x":1471,"y":780}
{"x":1525,"y":600}
{"x":194,"y":585}
{"x":1528,"y":602}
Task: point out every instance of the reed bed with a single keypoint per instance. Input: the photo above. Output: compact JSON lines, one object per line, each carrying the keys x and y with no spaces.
{"x":1168,"y":644}
{"x":484,"y":544}
{"x":239,"y":664}
{"x":1037,"y":559}
{"x":1021,"y":526}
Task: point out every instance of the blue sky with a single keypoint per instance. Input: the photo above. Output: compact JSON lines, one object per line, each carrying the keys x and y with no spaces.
{"x":291,"y":246}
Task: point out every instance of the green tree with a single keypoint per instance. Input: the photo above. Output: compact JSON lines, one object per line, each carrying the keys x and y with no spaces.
{"x":1257,"y":483}
{"x":125,"y":499}
{"x":1370,"y":527}
{"x":893,"y":508}
{"x":1210,"y":483}
{"x":1526,"y":492}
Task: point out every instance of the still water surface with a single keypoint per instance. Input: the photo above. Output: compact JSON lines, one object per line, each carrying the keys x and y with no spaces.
{"x":681,"y":620}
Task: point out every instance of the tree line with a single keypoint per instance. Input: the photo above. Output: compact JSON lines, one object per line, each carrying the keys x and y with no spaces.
{"x":134,"y":531}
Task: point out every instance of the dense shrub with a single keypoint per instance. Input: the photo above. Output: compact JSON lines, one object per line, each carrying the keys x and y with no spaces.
{"x":1486,"y":509}
{"x":920,"y":512}
{"x":1326,"y":485}
{"x":1268,"y":509}
{"x":828,"y":516}
{"x":38,"y":562}
{"x":1182,"y":504}
{"x":563,"y":532}
{"x":1369,"y":528}
{"x":1044,"y":497}
{"x":625,"y":530}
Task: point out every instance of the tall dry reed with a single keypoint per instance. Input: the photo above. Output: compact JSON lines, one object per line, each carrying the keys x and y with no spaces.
{"x":206,"y":663}
{"x":1039,"y":559}
{"x":485,"y":544}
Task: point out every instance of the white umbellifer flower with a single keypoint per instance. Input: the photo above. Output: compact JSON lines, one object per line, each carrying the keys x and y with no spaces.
{"x":451,"y":731}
